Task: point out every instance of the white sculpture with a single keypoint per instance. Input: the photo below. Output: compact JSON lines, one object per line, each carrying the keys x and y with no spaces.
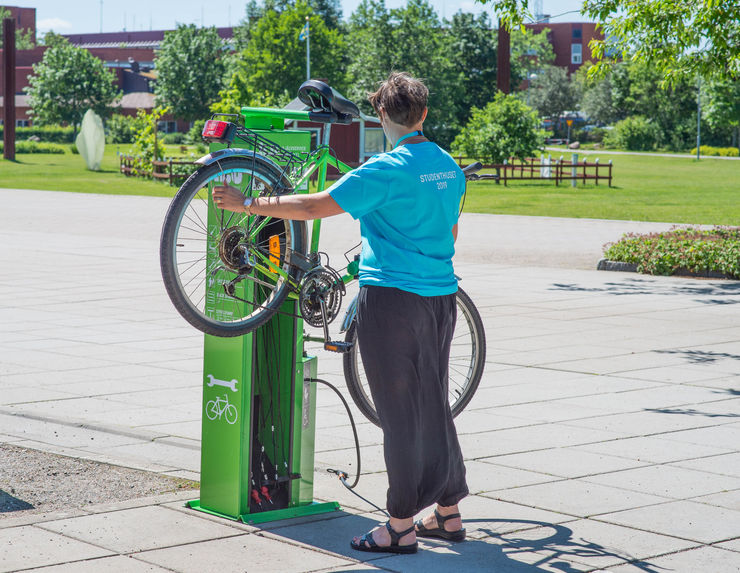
{"x":91,"y":140}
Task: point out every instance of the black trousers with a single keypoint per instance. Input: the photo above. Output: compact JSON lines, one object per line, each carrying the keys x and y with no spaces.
{"x":405,"y":342}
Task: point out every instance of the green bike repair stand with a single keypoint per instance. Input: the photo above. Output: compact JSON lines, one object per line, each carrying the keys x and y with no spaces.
{"x":259,"y":405}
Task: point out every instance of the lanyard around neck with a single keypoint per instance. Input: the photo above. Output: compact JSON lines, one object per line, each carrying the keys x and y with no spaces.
{"x":412,"y":134}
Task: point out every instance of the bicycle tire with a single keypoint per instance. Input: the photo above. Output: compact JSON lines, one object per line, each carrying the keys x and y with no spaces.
{"x":231,"y":419}
{"x":212,"y":410}
{"x":465,"y":370}
{"x":188,"y":233}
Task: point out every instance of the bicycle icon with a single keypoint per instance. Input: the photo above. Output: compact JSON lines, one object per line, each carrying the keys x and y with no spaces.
{"x":221,"y":407}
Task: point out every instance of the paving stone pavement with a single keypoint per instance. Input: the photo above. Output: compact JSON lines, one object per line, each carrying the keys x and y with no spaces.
{"x":605,"y":435}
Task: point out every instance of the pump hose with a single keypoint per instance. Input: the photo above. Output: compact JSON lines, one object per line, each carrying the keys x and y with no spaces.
{"x":342,"y":474}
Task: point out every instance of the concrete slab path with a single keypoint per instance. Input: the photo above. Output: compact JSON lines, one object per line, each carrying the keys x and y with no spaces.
{"x":605,"y":435}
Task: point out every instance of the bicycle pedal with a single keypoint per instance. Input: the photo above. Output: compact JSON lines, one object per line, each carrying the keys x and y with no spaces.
{"x":340,"y":347}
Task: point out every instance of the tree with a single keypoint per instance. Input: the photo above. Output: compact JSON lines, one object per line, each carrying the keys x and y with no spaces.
{"x":682,"y":39}
{"x":417,"y":47}
{"x":190,"y":71}
{"x":470,"y":48}
{"x":23,"y":37}
{"x":597,"y":99}
{"x":67,"y":82}
{"x":504,"y":128}
{"x":370,"y":41}
{"x":721,"y":108}
{"x":638,"y":90}
{"x":551,"y":93}
{"x":530,"y":52}
{"x":408,"y":39}
{"x":269,"y":70}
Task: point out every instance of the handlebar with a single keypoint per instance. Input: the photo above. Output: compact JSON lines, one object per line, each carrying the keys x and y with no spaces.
{"x":470,"y":171}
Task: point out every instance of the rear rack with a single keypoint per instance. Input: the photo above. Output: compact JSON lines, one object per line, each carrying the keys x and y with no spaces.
{"x":266,"y":147}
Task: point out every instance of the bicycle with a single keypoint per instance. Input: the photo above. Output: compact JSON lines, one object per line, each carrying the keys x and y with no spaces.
{"x":260,"y":262}
{"x":221,"y":407}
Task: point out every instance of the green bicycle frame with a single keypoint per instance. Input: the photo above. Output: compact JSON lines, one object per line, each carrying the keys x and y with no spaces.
{"x":273,"y":119}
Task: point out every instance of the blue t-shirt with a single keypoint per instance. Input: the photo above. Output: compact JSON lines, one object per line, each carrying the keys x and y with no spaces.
{"x":407,"y":201}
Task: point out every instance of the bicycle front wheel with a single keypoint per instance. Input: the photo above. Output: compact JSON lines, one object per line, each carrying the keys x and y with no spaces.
{"x":228,"y":273}
{"x":467,"y":360}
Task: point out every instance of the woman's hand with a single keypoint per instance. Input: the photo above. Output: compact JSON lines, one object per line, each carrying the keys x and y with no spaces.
{"x":229,"y":198}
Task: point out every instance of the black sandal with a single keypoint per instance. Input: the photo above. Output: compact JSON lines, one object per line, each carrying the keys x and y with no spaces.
{"x":367,"y":543}
{"x":440,"y":530}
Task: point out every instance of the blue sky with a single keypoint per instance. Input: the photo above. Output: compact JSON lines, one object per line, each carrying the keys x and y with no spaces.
{"x":83,"y":16}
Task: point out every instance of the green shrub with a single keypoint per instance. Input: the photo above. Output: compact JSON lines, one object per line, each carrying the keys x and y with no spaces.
{"x":174,"y":138}
{"x":46,"y":133}
{"x":194,"y":136}
{"x":121,"y":129}
{"x":36,"y":147}
{"x":696,"y":250}
{"x":729,"y":152}
{"x":506,"y":127}
{"x":709,"y":151}
{"x":635,"y":133}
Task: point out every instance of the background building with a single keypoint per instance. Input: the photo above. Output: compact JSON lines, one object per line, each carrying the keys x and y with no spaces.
{"x":569,"y":41}
{"x":131,"y":56}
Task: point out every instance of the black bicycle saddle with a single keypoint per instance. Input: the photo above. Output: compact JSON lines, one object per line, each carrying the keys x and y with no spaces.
{"x":319,"y":96}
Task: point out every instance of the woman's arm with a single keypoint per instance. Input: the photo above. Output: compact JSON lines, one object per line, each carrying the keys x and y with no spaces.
{"x":296,"y":207}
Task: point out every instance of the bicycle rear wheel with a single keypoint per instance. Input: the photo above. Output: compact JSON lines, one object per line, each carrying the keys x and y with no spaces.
{"x":228,"y":273}
{"x":467,"y":360}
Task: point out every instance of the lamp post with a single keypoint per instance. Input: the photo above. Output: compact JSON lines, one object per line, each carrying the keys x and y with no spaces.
{"x":531,"y":76}
{"x":698,"y":119}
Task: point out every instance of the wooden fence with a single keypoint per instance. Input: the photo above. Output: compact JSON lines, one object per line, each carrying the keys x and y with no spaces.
{"x":547,"y":169}
{"x":161,"y":170}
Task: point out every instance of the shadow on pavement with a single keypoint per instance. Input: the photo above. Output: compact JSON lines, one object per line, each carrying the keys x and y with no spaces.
{"x":10,"y":503}
{"x":554,"y":544}
{"x":700,"y":356}
{"x":691,"y":412}
{"x":636,"y":286}
{"x":533,"y":547}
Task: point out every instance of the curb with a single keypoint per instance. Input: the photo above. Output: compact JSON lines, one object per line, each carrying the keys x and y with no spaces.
{"x":607,"y":265}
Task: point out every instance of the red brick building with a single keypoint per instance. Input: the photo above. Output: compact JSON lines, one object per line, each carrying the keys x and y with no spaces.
{"x":569,"y":41}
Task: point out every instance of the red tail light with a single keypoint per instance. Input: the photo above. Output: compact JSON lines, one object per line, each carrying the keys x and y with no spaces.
{"x":220,"y":130}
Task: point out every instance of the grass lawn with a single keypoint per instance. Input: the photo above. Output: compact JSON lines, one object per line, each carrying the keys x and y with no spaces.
{"x":667,"y":189}
{"x":68,"y":173}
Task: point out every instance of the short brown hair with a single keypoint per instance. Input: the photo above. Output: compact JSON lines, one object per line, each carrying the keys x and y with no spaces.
{"x":402,"y":97}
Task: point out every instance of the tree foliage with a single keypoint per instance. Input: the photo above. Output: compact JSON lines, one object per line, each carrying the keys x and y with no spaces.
{"x":67,"y":82}
{"x":269,"y":70}
{"x":470,"y":47}
{"x":147,"y":140}
{"x":406,"y":39}
{"x":190,"y":70}
{"x":504,"y":128}
{"x":597,"y":100}
{"x":721,"y":108}
{"x":552,"y":92}
{"x":681,"y":38}
{"x":530,"y":52}
{"x":632,"y":89}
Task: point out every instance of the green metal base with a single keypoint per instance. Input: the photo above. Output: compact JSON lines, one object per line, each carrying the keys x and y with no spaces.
{"x":313,"y":508}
